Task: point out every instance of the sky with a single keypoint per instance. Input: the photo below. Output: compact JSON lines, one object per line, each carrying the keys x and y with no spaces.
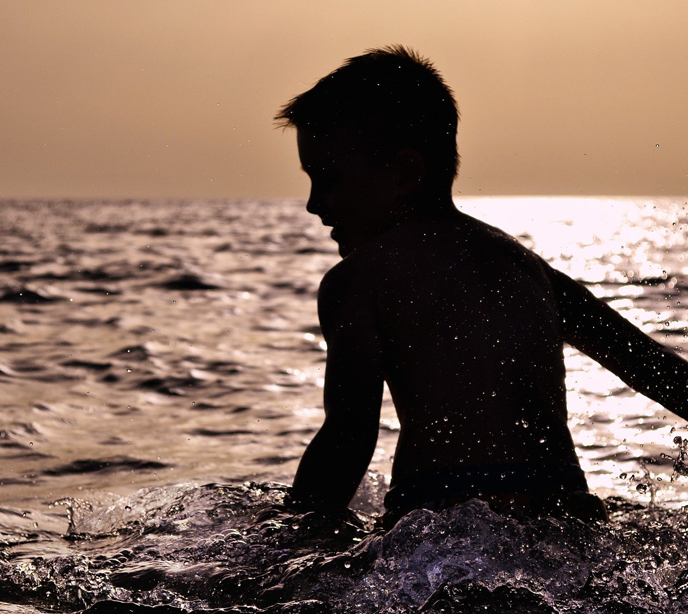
{"x":175,"y":99}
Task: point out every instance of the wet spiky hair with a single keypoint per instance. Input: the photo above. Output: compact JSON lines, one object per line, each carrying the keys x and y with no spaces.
{"x":394,"y":97}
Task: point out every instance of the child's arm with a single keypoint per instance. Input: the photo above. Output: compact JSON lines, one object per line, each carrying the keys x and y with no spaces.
{"x":593,"y":327}
{"x":337,"y":458}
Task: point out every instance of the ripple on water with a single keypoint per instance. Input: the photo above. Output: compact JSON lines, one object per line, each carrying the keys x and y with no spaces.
{"x":133,"y":352}
{"x":106,"y":465}
{"x":189,"y":281}
{"x":23,"y":295}
{"x":170,"y":385}
{"x":87,"y":364}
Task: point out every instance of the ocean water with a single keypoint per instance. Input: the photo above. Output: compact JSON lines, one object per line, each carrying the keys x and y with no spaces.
{"x":161,"y":370}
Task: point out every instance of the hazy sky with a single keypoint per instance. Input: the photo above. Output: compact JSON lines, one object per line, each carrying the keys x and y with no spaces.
{"x":169,"y":98}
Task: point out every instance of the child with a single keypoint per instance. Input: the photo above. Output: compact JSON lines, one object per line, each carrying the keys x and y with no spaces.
{"x":464,"y":324}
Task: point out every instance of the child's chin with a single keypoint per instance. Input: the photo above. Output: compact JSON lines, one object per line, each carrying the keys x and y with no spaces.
{"x":344,"y":248}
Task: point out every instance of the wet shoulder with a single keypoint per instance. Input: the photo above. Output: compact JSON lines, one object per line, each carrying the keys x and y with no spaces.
{"x":347,"y":290}
{"x":456,"y":240}
{"x":496,"y":248}
{"x":356,"y":269}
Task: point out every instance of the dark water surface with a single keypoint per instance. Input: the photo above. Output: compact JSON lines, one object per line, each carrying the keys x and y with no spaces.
{"x":161,"y":372}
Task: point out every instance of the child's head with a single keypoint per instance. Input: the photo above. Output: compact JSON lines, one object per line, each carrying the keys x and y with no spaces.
{"x":388,"y":99}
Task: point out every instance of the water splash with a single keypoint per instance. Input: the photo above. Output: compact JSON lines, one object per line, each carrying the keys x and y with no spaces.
{"x":236,"y":548}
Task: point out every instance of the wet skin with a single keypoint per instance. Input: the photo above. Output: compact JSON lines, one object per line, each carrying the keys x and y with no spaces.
{"x":464,"y":324}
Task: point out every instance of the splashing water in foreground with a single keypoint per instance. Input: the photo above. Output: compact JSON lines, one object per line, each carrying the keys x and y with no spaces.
{"x":237,"y":549}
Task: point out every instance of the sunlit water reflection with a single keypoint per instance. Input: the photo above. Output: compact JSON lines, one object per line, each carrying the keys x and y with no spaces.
{"x":159,"y":344}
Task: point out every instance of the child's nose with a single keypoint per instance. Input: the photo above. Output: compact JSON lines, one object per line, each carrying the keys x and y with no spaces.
{"x":313,"y":206}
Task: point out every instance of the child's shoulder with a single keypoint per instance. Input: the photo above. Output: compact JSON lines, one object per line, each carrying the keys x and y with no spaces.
{"x":353,"y":276}
{"x":452,"y":238}
{"x":429,"y":247}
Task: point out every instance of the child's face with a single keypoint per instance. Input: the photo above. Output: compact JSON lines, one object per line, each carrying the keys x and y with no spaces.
{"x":350,"y":191}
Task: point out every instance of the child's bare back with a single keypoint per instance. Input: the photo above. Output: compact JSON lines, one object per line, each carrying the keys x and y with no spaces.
{"x":470,"y":338}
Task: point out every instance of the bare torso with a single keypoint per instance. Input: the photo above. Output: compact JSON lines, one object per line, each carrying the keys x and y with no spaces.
{"x":472,"y":347}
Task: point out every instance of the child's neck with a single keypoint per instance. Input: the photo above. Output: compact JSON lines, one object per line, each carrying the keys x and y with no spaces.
{"x":424,"y":206}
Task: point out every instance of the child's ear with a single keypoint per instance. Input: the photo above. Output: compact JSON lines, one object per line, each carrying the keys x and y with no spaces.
{"x":409,"y":167}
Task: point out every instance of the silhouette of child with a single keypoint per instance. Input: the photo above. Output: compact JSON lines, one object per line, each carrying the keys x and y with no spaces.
{"x":464,"y":324}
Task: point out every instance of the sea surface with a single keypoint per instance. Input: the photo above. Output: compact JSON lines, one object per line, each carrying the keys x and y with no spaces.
{"x":161,"y":371}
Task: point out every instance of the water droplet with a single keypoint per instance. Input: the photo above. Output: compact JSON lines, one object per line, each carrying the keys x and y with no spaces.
{"x":347,"y":565}
{"x":623,"y":476}
{"x":641,"y":488}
